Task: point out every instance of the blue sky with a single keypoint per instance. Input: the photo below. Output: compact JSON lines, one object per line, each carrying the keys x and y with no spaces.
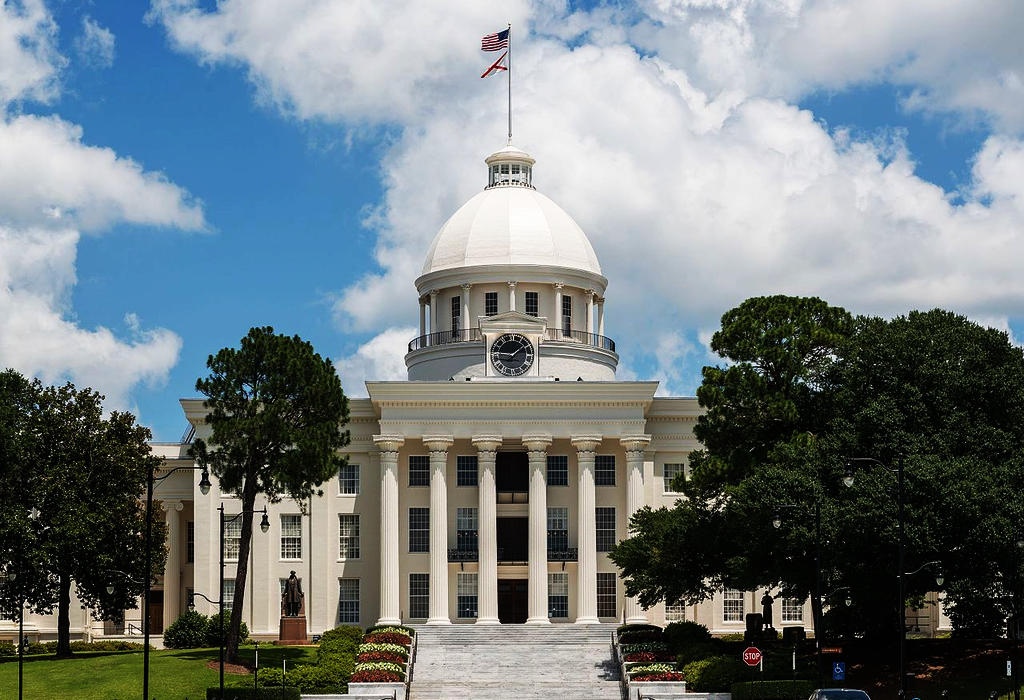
{"x":287,"y":169}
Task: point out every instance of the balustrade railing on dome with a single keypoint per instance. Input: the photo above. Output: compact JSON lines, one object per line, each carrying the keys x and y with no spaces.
{"x":592,"y":339}
{"x":465,"y":335}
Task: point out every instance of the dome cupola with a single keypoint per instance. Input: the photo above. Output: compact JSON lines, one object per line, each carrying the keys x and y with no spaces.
{"x":510,"y":167}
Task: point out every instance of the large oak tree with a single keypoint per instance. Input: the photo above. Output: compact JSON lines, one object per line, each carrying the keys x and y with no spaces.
{"x":277,"y":413}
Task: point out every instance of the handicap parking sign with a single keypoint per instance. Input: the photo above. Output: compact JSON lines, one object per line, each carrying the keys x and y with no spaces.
{"x":839,"y":671}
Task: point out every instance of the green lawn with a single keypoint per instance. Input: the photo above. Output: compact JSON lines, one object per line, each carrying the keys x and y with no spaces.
{"x":173,"y":675}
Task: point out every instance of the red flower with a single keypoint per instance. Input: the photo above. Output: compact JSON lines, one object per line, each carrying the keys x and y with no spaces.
{"x":387,"y":638}
{"x":380,"y":656}
{"x":667,"y":676}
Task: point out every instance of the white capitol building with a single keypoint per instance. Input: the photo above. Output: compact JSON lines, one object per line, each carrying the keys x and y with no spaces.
{"x":488,"y":487}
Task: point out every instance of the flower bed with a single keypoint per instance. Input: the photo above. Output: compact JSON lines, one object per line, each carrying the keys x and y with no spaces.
{"x":647,"y":663}
{"x":650,"y":656}
{"x":375,"y":676}
{"x":670,"y":676}
{"x":382,"y":658}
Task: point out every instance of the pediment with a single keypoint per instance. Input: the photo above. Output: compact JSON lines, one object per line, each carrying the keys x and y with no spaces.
{"x":513,"y":321}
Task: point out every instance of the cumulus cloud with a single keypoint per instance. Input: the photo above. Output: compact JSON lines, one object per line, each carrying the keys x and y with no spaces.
{"x":696,"y":178}
{"x":29,"y":60}
{"x":95,"y":45}
{"x":381,"y":358}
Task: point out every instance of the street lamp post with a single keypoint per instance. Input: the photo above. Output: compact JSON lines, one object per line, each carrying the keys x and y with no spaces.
{"x":901,"y":574}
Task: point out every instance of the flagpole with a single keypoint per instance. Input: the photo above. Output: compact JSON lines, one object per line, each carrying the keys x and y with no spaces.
{"x":510,"y":84}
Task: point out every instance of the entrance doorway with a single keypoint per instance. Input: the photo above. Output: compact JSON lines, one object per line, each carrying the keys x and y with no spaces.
{"x":513,"y":539}
{"x":512,"y":477}
{"x":512,"y":600}
{"x":156,"y":612}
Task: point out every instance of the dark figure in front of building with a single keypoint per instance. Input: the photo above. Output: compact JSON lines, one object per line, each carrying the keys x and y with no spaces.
{"x":766,"y":610}
{"x":293,"y":596}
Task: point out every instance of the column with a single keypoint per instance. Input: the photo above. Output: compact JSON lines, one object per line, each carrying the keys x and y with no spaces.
{"x":634,"y":445}
{"x":558,"y":310}
{"x":438,"y":446}
{"x":487,"y":535}
{"x":433,"y":311}
{"x":390,"y":606}
{"x":466,"y":325}
{"x":172,"y":568}
{"x":511,"y":296}
{"x":537,"y":451}
{"x":586,"y":576}
{"x":600,"y":316}
{"x":423,"y":317}
{"x":589,"y":295}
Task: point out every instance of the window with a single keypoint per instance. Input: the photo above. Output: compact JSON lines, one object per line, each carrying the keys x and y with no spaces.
{"x":466,"y":525}
{"x":606,"y":595}
{"x":732,"y":605}
{"x":291,"y":537}
{"x":456,"y":314}
{"x":558,"y":529}
{"x":671,"y":470}
{"x":558,"y":595}
{"x":558,"y":470}
{"x":229,"y":592}
{"x":419,"y":470}
{"x":348,"y":479}
{"x":490,"y":303}
{"x":190,"y":542}
{"x":675,"y":612}
{"x":419,"y":529}
{"x":419,"y":596}
{"x":792,"y":610}
{"x":605,"y":520}
{"x":604,"y":470}
{"x":566,"y":314}
{"x":465,"y":470}
{"x":348,"y":536}
{"x":232,"y":537}
{"x":466,"y":595}
{"x":531,"y":303}
{"x":348,"y":600}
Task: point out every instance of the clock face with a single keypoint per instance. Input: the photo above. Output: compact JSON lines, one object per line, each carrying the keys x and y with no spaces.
{"x":512,"y":354}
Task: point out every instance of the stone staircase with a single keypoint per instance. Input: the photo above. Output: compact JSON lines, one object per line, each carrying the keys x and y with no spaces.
{"x":515,"y":662}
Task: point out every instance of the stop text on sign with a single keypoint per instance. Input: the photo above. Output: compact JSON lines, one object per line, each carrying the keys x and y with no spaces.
{"x":751,"y":656}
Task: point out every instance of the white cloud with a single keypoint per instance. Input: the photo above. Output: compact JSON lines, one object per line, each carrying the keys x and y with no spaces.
{"x":29,"y":61}
{"x":697,"y":182}
{"x":381,"y":358}
{"x":95,"y":45}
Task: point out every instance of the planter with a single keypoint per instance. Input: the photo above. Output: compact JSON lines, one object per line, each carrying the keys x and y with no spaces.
{"x":371,"y":690}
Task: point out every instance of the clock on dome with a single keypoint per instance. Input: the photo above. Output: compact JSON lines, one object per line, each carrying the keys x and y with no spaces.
{"x":512,"y":354}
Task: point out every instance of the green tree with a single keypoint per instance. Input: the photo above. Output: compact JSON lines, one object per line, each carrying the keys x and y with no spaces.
{"x":276,"y":410}
{"x":86,"y":475}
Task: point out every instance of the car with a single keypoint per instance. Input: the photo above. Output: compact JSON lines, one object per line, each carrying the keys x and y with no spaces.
{"x":839,"y":694}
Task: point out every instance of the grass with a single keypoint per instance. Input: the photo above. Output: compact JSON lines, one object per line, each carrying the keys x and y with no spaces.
{"x":173,"y":675}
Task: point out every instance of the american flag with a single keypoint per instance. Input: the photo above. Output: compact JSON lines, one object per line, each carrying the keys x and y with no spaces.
{"x":495,"y":42}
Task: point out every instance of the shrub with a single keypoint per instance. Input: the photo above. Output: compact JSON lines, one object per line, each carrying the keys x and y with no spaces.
{"x":251,"y":694}
{"x":651,"y":668}
{"x":376,"y":676}
{"x":269,"y":677}
{"x":664,"y":676}
{"x":388,"y":638}
{"x":640,"y":636}
{"x":187,"y":632}
{"x":213,"y":630}
{"x":7,"y":648}
{"x":714,"y":674}
{"x":772,"y":690}
{"x":400,"y":629}
{"x":644,"y":646}
{"x":679,"y":635}
{"x":39,"y":648}
{"x":696,"y":652}
{"x":734,"y":637}
{"x":621,"y":629}
{"x":343,"y":640}
{"x":108,"y":645}
{"x":317,"y":678}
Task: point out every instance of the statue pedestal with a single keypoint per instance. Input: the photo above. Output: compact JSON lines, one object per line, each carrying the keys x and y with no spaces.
{"x":293,"y":630}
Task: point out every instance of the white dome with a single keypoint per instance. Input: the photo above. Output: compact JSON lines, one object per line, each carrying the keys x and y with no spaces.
{"x":511,"y":226}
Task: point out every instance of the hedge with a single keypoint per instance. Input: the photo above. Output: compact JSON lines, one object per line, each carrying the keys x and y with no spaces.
{"x":714,"y":675}
{"x":772,"y":690}
{"x":253,"y":694}
{"x":7,"y":648}
{"x":639,"y":636}
{"x":622,"y":629}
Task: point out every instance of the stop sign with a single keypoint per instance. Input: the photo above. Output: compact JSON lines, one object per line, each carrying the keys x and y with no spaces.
{"x":751,"y":656}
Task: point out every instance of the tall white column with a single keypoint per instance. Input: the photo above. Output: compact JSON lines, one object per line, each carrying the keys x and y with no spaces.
{"x":466,"y":325}
{"x":589,"y":296}
{"x":511,"y":296}
{"x":172,"y":568}
{"x":634,"y":445}
{"x":438,"y":446}
{"x":423,"y":317}
{"x":390,"y":607}
{"x":586,"y":577}
{"x":487,"y":534}
{"x":558,"y":309}
{"x":600,"y":316}
{"x":433,"y":311}
{"x":537,"y":605}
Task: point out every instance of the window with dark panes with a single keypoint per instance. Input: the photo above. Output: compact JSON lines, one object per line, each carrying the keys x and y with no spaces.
{"x":566,"y":314}
{"x":604,"y":470}
{"x":605,"y":522}
{"x":348,"y":479}
{"x":558,"y":470}
{"x":558,"y":595}
{"x":490,"y":303}
{"x":348,"y":601}
{"x":190,"y":542}
{"x":465,"y":593}
{"x":531,"y":303}
{"x":419,"y":596}
{"x":419,"y":470}
{"x":606,"y":595}
{"x":466,"y":525}
{"x":419,"y":529}
{"x":558,"y":529}
{"x":465,"y":470}
{"x":456,"y":315}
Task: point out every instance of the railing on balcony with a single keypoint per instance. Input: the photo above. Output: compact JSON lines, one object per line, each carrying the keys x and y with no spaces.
{"x":470,"y":335}
{"x":465,"y":335}
{"x":567,"y":554}
{"x":592,"y":339}
{"x":456,"y":555}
